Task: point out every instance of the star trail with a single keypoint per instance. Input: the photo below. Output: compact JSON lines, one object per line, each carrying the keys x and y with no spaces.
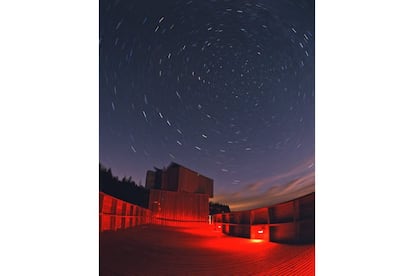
{"x":225,"y":88}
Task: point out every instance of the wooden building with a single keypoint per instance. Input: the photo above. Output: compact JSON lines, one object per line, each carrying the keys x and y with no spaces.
{"x":178,"y":195}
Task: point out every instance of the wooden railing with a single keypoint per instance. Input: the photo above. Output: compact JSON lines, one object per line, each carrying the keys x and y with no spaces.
{"x":117,"y":214}
{"x":288,"y":222}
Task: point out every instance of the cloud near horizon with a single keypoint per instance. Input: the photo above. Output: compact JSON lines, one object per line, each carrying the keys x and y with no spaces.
{"x":272,"y":190}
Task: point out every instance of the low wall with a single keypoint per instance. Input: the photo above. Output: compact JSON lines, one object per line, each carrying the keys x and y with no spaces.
{"x":117,"y":214}
{"x":288,"y":222}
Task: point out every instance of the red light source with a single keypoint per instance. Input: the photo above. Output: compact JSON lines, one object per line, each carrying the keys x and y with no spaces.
{"x":256,"y":240}
{"x":219,"y":226}
{"x":260,"y":231}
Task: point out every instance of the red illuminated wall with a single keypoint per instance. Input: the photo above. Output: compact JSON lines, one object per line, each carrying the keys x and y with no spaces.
{"x":287,"y":222}
{"x":116,"y":214}
{"x":178,"y":207}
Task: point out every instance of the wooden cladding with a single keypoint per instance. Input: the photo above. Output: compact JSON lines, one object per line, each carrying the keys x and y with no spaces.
{"x":177,"y":178}
{"x":281,"y":213}
{"x":260,"y":216}
{"x":178,"y":207}
{"x":193,"y":182}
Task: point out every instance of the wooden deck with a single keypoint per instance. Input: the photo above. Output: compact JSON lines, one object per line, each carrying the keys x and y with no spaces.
{"x":161,"y":250}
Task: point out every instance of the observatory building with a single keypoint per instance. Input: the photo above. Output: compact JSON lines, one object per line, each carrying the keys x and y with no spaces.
{"x":178,"y":194}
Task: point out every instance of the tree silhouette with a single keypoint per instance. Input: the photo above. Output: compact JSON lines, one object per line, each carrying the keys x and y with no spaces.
{"x":218,"y":208}
{"x":125,"y":189}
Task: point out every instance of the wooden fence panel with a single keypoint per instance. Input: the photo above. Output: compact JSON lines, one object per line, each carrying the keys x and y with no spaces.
{"x":115,"y":214}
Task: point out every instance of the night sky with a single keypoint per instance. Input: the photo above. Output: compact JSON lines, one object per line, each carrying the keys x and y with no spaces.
{"x":225,"y":88}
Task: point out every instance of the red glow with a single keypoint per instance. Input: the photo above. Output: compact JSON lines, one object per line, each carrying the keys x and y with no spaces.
{"x":189,"y":235}
{"x":116,"y":214}
{"x":174,"y":208}
{"x":286,"y":222}
{"x":256,"y":240}
{"x":198,"y":251}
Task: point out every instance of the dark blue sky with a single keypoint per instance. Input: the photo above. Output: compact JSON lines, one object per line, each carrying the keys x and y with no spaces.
{"x":225,"y":88}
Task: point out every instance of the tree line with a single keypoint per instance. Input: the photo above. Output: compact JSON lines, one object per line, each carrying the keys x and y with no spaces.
{"x":125,"y":189}
{"x":218,"y":208}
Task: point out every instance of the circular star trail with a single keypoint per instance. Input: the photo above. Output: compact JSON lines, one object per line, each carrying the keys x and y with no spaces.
{"x":225,"y":88}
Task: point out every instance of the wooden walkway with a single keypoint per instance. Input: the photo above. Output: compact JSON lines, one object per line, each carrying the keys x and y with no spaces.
{"x":160,"y":250}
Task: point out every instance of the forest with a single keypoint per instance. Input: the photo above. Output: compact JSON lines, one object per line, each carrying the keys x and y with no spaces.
{"x":125,"y":189}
